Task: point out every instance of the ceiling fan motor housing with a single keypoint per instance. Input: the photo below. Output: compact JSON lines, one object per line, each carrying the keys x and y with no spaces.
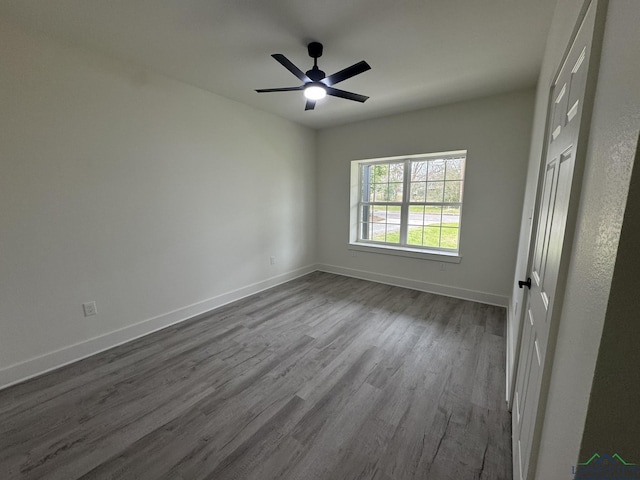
{"x":315,"y":74}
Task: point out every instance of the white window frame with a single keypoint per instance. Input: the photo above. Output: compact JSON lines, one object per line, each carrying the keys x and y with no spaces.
{"x":401,"y":249}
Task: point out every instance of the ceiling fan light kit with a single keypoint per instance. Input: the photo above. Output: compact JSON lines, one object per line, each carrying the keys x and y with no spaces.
{"x":316,"y":85}
{"x":315,"y":91}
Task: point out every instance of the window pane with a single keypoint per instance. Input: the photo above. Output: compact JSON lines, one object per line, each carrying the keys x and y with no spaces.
{"x":379,"y":214}
{"x":418,"y":171}
{"x":433,"y":215}
{"x":393,"y":214}
{"x":395,"y":192}
{"x":451,"y":210}
{"x":431,"y":236}
{"x":455,"y":168}
{"x":381,"y":192}
{"x":378,"y":232}
{"x":416,"y":215}
{"x":396,"y":172}
{"x":453,"y":191}
{"x":418,"y":190}
{"x":449,"y":238}
{"x":415,"y":236}
{"x":450,"y":219}
{"x":380,"y":173}
{"x":436,"y":170}
{"x":393,"y":233}
{"x":435,"y":191}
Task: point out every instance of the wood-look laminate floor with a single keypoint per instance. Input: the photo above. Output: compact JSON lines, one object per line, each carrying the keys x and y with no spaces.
{"x":325,"y":377}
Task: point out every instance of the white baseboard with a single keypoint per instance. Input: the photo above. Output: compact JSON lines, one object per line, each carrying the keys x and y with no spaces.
{"x":446,"y":290}
{"x":33,"y":367}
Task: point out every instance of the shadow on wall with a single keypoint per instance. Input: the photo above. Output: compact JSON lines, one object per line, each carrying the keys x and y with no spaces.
{"x":614,"y":427}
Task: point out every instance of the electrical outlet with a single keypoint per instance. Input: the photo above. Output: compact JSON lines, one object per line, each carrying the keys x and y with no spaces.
{"x":89,"y":309}
{"x":443,"y":267}
{"x":272,"y":260}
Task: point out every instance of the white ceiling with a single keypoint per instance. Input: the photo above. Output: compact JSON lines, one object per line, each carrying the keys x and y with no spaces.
{"x":422,"y":52}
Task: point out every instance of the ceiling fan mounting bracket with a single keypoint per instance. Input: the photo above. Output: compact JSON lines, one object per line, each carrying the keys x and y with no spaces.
{"x":315,"y":50}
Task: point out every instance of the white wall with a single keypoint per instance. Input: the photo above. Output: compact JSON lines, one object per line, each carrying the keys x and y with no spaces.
{"x":496,"y":132}
{"x":616,"y":429}
{"x":614,"y":134}
{"x":153,"y":198}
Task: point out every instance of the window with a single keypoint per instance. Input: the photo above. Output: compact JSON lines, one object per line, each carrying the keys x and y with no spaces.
{"x":409,"y":203}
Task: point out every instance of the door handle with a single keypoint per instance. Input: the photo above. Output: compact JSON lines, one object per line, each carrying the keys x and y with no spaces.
{"x":527,"y":283}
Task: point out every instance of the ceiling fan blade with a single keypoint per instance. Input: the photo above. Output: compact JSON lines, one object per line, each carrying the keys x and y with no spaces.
{"x":286,"y":63}
{"x":348,"y":95}
{"x":285,"y":89}
{"x":346,"y":73}
{"x":310,"y":104}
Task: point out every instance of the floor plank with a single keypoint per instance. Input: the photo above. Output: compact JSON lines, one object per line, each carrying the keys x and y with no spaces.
{"x":324,"y":377}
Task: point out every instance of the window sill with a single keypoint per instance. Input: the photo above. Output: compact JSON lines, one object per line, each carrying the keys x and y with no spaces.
{"x":433,"y":255}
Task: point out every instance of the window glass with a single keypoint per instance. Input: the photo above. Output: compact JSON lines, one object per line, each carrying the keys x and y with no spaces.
{"x":413,"y":203}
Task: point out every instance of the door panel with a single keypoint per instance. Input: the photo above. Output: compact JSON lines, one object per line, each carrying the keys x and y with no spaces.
{"x":566,"y":104}
{"x":557,"y":231}
{"x":548,"y":195}
{"x":577,"y":85}
{"x":559,"y":108}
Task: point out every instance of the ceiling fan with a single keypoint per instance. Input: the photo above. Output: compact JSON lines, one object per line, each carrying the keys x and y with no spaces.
{"x":315,"y":84}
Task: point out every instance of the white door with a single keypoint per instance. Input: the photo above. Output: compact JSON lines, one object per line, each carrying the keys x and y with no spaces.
{"x":566,"y":106}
